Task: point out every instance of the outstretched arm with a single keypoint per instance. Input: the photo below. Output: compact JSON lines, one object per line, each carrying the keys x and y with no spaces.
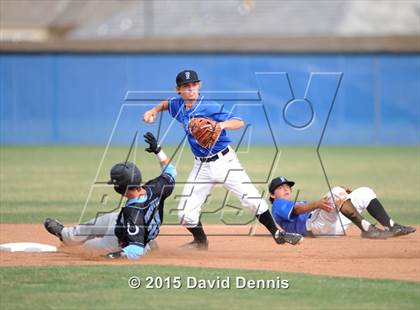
{"x":150,"y":115}
{"x":232,"y":124}
{"x":154,"y":147}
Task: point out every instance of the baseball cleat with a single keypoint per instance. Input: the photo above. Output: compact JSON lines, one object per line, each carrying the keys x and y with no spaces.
{"x":401,"y":230}
{"x":375,"y":233}
{"x":196,"y":245}
{"x":282,"y":237}
{"x":54,"y":227}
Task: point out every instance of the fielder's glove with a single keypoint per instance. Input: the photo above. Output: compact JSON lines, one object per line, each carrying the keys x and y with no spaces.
{"x":154,"y":147}
{"x":206,"y":131}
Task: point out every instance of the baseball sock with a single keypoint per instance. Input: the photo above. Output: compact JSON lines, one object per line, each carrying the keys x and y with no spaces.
{"x":198,"y":233}
{"x":349,"y":211}
{"x":267,"y":220}
{"x":376,"y":209}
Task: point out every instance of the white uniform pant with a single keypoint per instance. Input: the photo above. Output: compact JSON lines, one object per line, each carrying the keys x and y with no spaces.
{"x":97,"y":235}
{"x":226,"y":170}
{"x":331,"y":223}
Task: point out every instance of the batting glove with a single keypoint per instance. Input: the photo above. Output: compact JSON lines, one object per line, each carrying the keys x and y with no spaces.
{"x":153,"y":145}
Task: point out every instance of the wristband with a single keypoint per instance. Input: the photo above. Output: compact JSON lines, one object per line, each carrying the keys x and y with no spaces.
{"x":161,"y":156}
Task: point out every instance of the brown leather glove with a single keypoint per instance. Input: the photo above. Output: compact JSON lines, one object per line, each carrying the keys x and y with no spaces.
{"x":206,"y":131}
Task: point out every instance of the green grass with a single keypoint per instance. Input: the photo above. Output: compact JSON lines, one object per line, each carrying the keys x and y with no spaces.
{"x":41,"y":181}
{"x":105,"y":287}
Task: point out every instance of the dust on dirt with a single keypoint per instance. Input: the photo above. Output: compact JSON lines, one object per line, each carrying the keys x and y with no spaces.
{"x":232,"y":247}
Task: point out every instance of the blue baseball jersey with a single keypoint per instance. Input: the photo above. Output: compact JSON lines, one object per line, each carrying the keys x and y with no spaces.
{"x":283,"y":214}
{"x":201,"y":108}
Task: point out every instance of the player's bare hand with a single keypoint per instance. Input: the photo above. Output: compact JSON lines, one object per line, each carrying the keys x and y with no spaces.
{"x":348,"y":189}
{"x":150,"y":116}
{"x":115,"y":255}
{"x":324,"y":204}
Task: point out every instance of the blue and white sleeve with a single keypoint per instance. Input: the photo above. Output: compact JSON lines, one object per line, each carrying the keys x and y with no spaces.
{"x":169,"y":169}
{"x":283,"y":208}
{"x":172,"y":108}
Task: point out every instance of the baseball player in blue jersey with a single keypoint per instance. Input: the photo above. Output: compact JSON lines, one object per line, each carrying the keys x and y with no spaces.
{"x":130,"y":232}
{"x":215,"y":164}
{"x":321,"y":217}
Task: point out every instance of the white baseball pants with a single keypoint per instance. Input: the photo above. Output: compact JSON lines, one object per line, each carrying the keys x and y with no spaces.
{"x":331,"y":223}
{"x":226,"y":170}
{"x":97,"y":235}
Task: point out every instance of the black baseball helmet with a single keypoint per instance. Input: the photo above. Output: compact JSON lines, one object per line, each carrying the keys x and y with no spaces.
{"x":186,"y":76}
{"x":124,"y":175}
{"x":276,"y":182}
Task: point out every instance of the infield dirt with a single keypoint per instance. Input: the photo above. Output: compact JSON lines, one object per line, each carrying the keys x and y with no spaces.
{"x":394,"y":258}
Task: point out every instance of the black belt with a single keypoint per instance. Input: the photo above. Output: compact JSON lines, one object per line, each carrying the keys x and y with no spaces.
{"x":214,"y":157}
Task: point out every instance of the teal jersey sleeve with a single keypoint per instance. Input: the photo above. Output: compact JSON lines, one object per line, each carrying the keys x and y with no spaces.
{"x":169,"y":169}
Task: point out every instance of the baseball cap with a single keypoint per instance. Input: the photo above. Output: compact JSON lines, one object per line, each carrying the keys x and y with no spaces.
{"x":186,"y":76}
{"x":125,"y":174}
{"x":276,"y":182}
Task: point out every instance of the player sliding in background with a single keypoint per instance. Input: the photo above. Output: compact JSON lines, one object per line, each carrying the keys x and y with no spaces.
{"x":217,"y":164}
{"x":130,"y":232}
{"x":321,"y":218}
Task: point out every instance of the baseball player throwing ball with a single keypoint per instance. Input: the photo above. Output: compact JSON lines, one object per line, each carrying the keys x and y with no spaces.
{"x":130,"y":232}
{"x":321,"y":218}
{"x":206,"y":123}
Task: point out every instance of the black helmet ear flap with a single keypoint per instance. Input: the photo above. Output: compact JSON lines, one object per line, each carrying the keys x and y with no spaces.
{"x":123,"y":175}
{"x":123,"y":188}
{"x":120,"y":189}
